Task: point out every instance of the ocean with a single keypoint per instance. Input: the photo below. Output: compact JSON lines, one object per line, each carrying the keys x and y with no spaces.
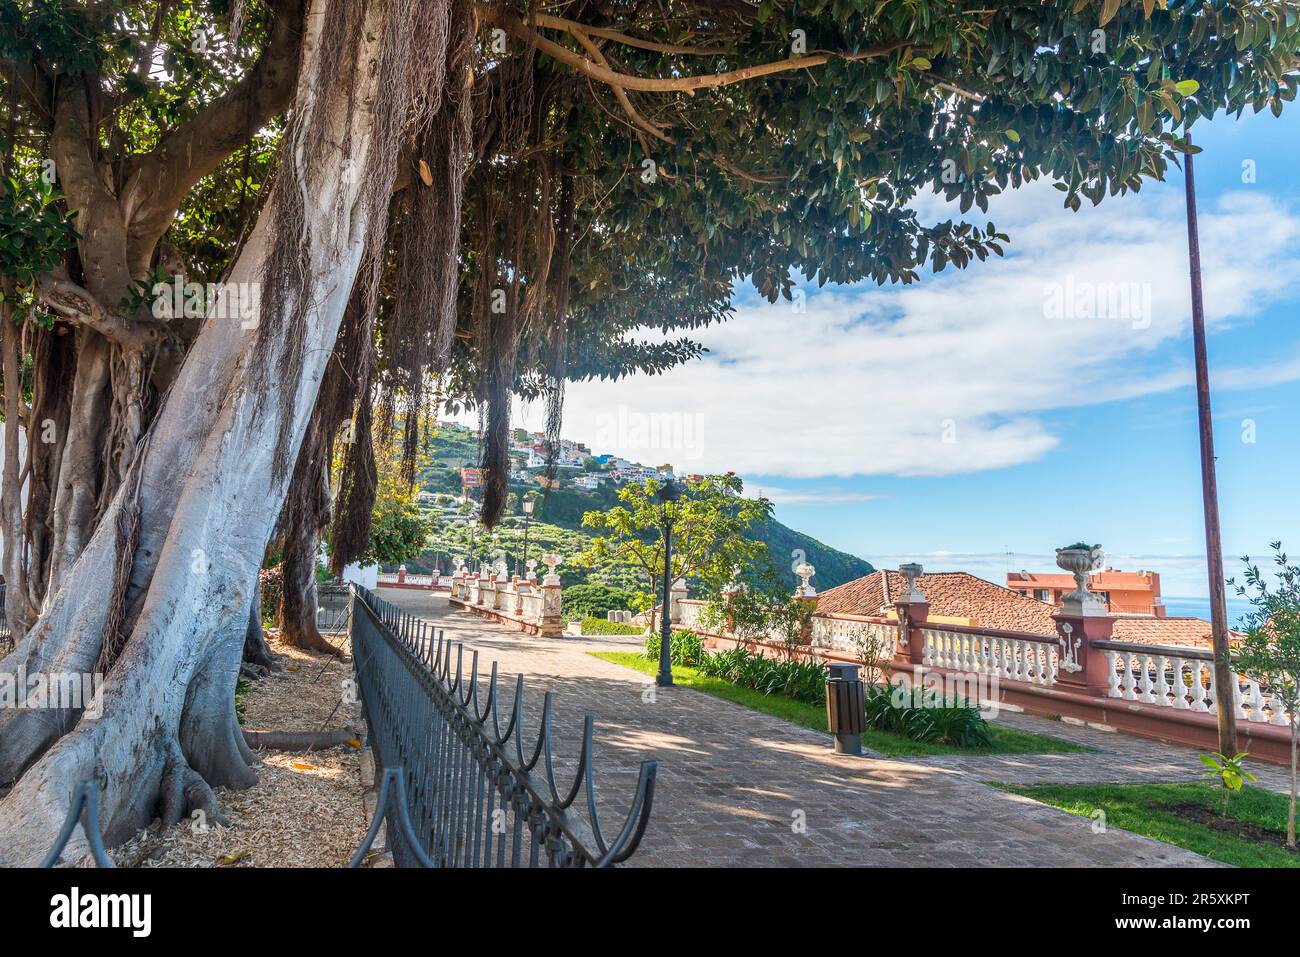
{"x":1200,"y":608}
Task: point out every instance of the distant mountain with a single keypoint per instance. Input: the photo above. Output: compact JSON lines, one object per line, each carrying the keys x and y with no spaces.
{"x":834,"y":567}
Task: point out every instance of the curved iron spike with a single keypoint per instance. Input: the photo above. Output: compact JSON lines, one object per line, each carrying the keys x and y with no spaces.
{"x":584,"y":763}
{"x":490,"y":706}
{"x":505,"y":736}
{"x":460,"y":669}
{"x":84,"y":803}
{"x":393,"y":788}
{"x":471,"y":696}
{"x":638,"y":817}
{"x":543,"y":736}
{"x":517,"y":722}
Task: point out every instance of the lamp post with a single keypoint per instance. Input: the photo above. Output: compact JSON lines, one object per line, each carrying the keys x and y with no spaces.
{"x":1224,"y":680}
{"x":668,"y":493}
{"x":528,"y":514}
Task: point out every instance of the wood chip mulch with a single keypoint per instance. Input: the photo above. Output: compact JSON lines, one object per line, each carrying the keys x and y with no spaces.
{"x":306,"y":809}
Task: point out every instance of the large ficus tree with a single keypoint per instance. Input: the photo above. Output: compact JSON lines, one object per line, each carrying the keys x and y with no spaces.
{"x":470,"y":200}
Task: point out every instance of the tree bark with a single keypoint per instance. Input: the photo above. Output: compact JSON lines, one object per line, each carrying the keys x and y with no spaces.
{"x":256,"y":650}
{"x":1290,"y":810}
{"x":307,"y":511}
{"x":17,"y":611}
{"x":209,"y":493}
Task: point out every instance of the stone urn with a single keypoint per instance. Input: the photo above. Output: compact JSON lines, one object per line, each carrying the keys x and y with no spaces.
{"x":1081,"y":561}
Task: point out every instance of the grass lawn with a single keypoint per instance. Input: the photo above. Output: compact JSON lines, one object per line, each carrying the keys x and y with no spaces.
{"x":1186,"y":815}
{"x":1005,"y":740}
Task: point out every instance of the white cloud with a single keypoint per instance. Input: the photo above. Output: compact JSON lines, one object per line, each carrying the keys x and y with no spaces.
{"x":953,"y":375}
{"x":812,"y":496}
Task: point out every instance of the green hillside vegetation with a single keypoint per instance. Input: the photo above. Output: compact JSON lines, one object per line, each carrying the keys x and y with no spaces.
{"x":557,"y":527}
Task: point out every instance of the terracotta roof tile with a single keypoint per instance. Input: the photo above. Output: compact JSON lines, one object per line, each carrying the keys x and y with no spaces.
{"x":962,"y":595}
{"x":951,"y":594}
{"x":1166,"y":631}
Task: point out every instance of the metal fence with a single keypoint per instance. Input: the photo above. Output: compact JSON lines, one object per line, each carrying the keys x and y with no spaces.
{"x":474,"y":794}
{"x":457,"y":789}
{"x":332,"y":609}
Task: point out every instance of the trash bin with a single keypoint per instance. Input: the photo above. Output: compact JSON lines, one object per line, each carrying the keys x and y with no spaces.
{"x":846,"y":716}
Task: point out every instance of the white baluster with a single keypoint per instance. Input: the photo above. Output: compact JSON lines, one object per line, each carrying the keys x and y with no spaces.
{"x":1130,"y":678}
{"x":1147,"y":685}
{"x":1112,"y":674}
{"x":1162,"y":674}
{"x":1180,"y":685}
{"x":1238,"y":705}
{"x":928,"y":654}
{"x":1199,"y":689}
{"x":1279,"y":712}
{"x":1256,"y":695}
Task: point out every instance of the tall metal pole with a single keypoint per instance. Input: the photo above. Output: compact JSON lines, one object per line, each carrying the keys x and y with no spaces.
{"x":1223,"y":679}
{"x":665,"y":676}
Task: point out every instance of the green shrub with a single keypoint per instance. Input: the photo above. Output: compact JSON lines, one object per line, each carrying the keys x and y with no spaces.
{"x":801,"y":680}
{"x":922,"y":715}
{"x":599,"y":626}
{"x":687,"y":648}
{"x":595,"y":600}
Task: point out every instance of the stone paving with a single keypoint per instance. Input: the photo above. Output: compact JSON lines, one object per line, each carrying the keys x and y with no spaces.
{"x":740,"y":788}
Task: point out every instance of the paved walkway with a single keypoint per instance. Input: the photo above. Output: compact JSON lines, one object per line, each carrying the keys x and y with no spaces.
{"x":740,"y":788}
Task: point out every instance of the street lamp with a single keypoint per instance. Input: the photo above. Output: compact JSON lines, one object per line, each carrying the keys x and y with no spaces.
{"x":668,"y":493}
{"x":528,"y":514}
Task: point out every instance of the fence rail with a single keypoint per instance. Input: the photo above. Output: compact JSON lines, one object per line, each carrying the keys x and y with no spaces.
{"x":476,"y":793}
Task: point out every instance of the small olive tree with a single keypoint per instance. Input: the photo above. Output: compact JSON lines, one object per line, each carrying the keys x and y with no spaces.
{"x":1271,"y":649}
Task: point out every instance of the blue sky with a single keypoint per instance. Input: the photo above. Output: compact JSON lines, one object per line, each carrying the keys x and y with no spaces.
{"x":967,"y":416}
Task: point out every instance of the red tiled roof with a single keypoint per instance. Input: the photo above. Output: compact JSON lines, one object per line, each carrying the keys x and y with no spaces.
{"x":1166,"y":631}
{"x":951,"y":594}
{"x":962,"y":595}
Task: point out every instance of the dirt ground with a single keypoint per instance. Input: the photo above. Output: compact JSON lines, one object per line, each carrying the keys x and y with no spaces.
{"x":306,"y":809}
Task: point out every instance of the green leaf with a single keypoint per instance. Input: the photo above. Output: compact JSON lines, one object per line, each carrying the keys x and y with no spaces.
{"x":1187,"y":87}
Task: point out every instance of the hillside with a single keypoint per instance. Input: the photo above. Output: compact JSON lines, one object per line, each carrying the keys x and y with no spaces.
{"x":557,"y":526}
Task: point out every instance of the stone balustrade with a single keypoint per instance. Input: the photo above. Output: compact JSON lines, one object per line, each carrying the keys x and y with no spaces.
{"x":1005,"y":655}
{"x":404,"y":579}
{"x":1080,"y":676}
{"x":517,"y":601}
{"x":1182,"y":679}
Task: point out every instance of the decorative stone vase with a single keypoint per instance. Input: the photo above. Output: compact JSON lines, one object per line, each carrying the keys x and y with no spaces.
{"x":1080,"y":562}
{"x":911,"y":573}
{"x":805,"y":571}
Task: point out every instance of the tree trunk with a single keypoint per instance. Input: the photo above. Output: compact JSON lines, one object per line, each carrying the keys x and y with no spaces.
{"x":256,"y":650}
{"x":1290,"y":811}
{"x":209,"y":490}
{"x":306,"y":513}
{"x":17,"y":611}
{"x":298,"y":609}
